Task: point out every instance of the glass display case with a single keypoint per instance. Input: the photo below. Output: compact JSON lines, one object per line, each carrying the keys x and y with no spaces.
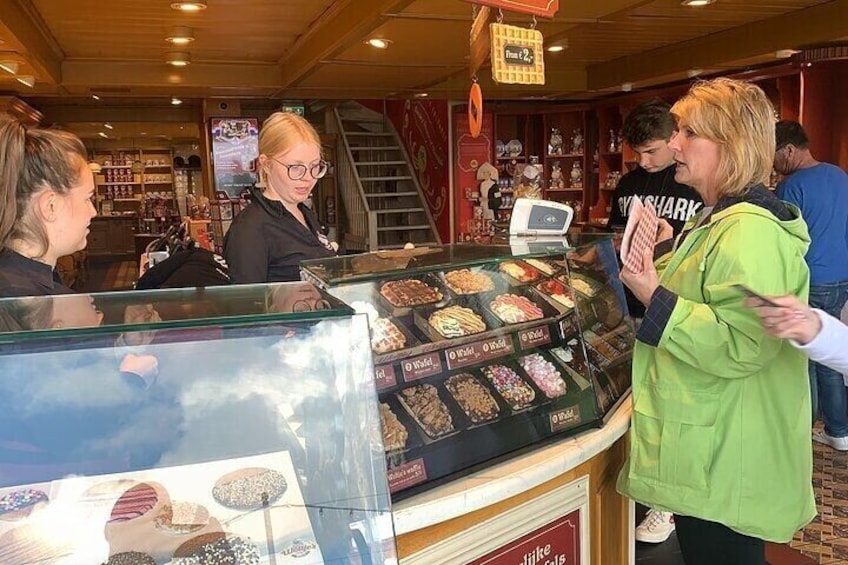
{"x":481,"y":351}
{"x":230,"y":425}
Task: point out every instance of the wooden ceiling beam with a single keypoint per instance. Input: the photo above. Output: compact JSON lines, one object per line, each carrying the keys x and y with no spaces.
{"x":348,"y":23}
{"x":99,"y":74}
{"x":61,"y":113}
{"x":23,"y":22}
{"x":817,"y":24}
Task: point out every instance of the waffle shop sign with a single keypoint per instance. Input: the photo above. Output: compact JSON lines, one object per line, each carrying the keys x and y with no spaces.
{"x":556,"y":543}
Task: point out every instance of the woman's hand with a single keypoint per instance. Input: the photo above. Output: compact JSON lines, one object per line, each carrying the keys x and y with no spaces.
{"x":645,"y":283}
{"x":790,"y":319}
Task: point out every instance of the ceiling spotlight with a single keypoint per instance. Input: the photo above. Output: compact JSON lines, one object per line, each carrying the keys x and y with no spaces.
{"x":95,"y":97}
{"x":556,"y":48}
{"x":421,"y":95}
{"x":103,"y":135}
{"x":696,"y":3}
{"x":180,"y":35}
{"x":10,"y":66}
{"x":107,"y":125}
{"x":626,"y":86}
{"x":176,"y":101}
{"x":27,"y":80}
{"x":178,"y":58}
{"x":195,"y":6}
{"x":379,"y":43}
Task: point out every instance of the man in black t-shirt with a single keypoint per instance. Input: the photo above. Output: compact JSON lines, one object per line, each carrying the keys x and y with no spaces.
{"x":647,"y":130}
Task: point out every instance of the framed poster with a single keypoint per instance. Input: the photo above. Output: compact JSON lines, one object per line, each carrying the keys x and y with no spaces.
{"x":235,"y":150}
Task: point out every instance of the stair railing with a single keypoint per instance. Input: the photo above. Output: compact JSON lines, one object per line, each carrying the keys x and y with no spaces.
{"x":361,"y":221}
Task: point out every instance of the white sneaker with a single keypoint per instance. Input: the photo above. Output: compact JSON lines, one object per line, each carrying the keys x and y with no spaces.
{"x":656,"y":527}
{"x":838,"y":443}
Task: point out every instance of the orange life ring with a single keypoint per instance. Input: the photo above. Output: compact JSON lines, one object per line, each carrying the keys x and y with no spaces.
{"x":475,"y":110}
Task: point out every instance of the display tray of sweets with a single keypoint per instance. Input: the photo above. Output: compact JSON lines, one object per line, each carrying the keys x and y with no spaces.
{"x":545,"y":375}
{"x":471,"y":281}
{"x":557,"y":292}
{"x":545,"y":266}
{"x":389,"y":335}
{"x":518,"y":272}
{"x":517,"y":306}
{"x":507,"y":380}
{"x":400,"y":431}
{"x":399,"y":295}
{"x":425,"y":405}
{"x":457,"y":320}
{"x":581,"y":283}
{"x":473,"y":397}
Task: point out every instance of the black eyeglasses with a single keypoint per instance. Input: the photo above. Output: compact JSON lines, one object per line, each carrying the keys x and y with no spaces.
{"x":298,"y":171}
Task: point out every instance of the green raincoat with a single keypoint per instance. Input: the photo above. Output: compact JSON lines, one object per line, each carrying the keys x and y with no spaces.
{"x":721,"y":412}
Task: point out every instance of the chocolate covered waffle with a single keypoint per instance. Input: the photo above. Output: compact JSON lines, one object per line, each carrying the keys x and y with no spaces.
{"x":465,"y":281}
{"x":424,"y":404}
{"x":544,"y":374}
{"x":409,"y":292}
{"x":474,"y":398}
{"x":385,"y":336}
{"x":394,"y":433}
{"x":513,"y":309}
{"x":456,"y":321}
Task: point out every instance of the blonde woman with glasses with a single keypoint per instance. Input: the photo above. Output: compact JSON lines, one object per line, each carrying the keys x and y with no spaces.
{"x":721,"y":428}
{"x":268,"y":239}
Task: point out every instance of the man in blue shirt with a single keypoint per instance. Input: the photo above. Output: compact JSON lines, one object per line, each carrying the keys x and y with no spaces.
{"x":820,"y":190}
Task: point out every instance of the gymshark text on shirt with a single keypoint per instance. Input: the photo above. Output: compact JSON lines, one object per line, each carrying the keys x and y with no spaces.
{"x":670,"y":207}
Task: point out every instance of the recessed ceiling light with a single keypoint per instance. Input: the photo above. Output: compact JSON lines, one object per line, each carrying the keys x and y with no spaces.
{"x":626,"y":87}
{"x":194,"y":6}
{"x":10,"y":66}
{"x":180,"y":35}
{"x":101,"y":134}
{"x":421,"y":95}
{"x":27,"y":80}
{"x":94,"y":96}
{"x":144,"y":133}
{"x":696,"y":3}
{"x":379,"y":43}
{"x":556,"y":48}
{"x":178,"y":58}
{"x":176,"y":101}
{"x":107,"y":125}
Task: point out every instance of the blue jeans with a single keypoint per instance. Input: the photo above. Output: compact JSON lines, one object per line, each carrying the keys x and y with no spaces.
{"x":827,"y":387}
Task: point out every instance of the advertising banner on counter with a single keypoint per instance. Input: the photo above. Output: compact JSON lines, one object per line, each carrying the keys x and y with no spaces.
{"x":556,"y":543}
{"x":235,"y":149}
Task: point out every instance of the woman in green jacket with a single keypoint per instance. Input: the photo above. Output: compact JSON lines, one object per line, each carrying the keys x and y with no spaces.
{"x":721,"y":431}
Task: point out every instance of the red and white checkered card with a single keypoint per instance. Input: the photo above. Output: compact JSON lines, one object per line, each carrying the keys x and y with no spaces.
{"x":639,"y":234}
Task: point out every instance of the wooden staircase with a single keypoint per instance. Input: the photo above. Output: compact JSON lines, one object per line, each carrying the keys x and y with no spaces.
{"x":379,"y":174}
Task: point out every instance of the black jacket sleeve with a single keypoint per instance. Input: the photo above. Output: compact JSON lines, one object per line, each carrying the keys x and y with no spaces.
{"x":246,"y":253}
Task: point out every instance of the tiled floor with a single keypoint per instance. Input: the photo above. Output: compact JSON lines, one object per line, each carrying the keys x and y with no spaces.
{"x":824,"y":541}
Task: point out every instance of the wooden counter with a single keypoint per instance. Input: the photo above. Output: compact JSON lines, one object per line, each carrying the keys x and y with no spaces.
{"x":468,"y":518}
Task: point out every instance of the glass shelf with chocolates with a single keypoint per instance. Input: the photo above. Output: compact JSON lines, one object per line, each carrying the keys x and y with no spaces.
{"x":480,"y":352}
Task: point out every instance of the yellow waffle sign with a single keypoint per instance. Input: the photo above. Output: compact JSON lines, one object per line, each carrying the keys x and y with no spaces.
{"x":517,"y":55}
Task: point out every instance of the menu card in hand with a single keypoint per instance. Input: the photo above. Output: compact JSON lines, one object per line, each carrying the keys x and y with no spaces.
{"x":640,"y":234}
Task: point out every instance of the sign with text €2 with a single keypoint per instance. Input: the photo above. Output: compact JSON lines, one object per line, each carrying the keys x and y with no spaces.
{"x":555,"y":543}
{"x":543,"y":8}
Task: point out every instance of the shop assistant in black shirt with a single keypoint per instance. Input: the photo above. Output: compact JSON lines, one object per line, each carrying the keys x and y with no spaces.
{"x":21,"y":276}
{"x":673,"y":201}
{"x":266,"y":243}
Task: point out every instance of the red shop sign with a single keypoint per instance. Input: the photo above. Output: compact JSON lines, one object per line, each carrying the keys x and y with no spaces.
{"x":544,"y":8}
{"x":557,"y":543}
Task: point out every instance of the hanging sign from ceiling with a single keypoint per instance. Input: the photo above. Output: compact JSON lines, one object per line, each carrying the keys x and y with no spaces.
{"x":517,"y":55}
{"x":543,"y":8}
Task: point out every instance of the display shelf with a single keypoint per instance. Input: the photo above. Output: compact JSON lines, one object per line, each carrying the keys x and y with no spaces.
{"x":566,"y":351}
